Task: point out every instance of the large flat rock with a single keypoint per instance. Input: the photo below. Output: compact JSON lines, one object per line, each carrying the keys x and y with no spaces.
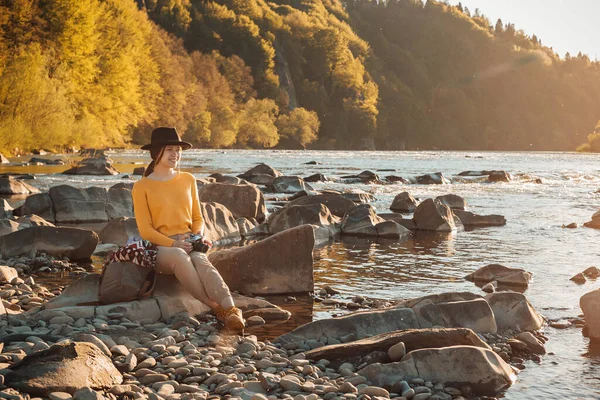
{"x":73,"y":243}
{"x":282,"y":263}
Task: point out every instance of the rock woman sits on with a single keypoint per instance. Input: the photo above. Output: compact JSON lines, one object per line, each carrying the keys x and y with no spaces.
{"x":167,"y":212}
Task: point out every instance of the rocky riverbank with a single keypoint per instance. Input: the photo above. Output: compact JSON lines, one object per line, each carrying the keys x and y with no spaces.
{"x":183,"y":356}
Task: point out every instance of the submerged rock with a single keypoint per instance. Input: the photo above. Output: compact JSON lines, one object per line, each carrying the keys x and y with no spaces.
{"x":433,"y":216}
{"x":290,"y":184}
{"x":470,"y":220}
{"x":436,"y":178}
{"x":504,"y":276}
{"x":403,"y":203}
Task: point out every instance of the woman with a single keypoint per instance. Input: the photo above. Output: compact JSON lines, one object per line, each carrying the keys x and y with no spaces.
{"x":167,"y":212}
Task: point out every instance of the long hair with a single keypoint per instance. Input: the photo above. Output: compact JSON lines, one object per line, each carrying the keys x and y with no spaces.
{"x":156,"y":155}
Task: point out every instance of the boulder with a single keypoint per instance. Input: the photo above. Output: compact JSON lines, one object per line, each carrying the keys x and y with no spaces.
{"x":360,"y":220}
{"x":368,"y":177}
{"x":73,"y":205}
{"x":479,"y":368}
{"x":591,"y":272}
{"x":290,"y":184}
{"x":262,"y":179}
{"x":3,"y":159}
{"x":359,"y":324}
{"x":499,"y":176}
{"x":6,"y":210}
{"x":403,"y":203}
{"x":220,"y":224}
{"x":397,"y":218}
{"x":27,"y":221}
{"x":453,"y":201}
{"x":138,"y":171}
{"x":337,"y":204}
{"x":10,"y":186}
{"x":513,"y":311}
{"x":439,"y":298}
{"x":119,"y":203}
{"x":505,"y":276}
{"x":93,"y":166}
{"x":64,"y":367}
{"x":395,"y":179}
{"x":119,"y":230}
{"x":246,"y":227}
{"x":260,"y":169}
{"x":391,"y":230}
{"x":259,"y":269}
{"x":73,"y":243}
{"x":470,"y":220}
{"x":433,"y":216}
{"x":230,"y":180}
{"x":292,"y":216}
{"x":413,"y":339}
{"x":473,"y":314}
{"x":39,"y":204}
{"x":436,"y":178}
{"x":595,"y":222}
{"x":242,"y":200}
{"x":590,"y":305}
{"x":316,"y":178}
{"x":358,"y":197}
{"x":8,"y":226}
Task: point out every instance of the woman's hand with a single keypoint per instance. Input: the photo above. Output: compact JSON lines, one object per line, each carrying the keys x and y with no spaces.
{"x":207,"y":242}
{"x":182,"y":244}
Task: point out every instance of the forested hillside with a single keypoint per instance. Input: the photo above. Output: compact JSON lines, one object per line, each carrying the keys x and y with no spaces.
{"x":291,"y":73}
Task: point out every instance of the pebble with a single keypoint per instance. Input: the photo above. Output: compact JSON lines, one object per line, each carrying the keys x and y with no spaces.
{"x":397,"y":351}
{"x":60,"y":396}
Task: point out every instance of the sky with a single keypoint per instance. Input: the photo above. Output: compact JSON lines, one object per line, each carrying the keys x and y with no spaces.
{"x":565,"y":25}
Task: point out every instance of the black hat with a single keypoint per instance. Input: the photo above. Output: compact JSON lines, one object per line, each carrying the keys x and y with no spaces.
{"x":165,"y":137}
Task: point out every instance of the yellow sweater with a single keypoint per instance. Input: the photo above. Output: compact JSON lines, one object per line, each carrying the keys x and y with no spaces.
{"x":166,"y":208}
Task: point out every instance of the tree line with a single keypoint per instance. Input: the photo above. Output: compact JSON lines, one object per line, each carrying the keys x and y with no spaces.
{"x":331,"y":74}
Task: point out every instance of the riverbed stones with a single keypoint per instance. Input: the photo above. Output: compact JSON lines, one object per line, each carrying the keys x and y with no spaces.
{"x":513,"y":311}
{"x":504,"y":276}
{"x":433,"y":216}
{"x":257,"y":269}
{"x":73,"y":243}
{"x":64,"y":367}
{"x":9,"y":185}
{"x":242,"y":200}
{"x":93,"y":166}
{"x":481,"y":369}
{"x":220,"y":224}
{"x":292,"y":216}
{"x":470,"y":220}
{"x":74,"y":205}
{"x":403,"y":203}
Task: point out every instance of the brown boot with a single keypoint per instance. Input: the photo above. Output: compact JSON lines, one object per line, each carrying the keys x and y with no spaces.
{"x":231,"y":317}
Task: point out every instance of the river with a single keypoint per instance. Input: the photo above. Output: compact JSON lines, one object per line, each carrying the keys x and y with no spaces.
{"x":533,"y":238}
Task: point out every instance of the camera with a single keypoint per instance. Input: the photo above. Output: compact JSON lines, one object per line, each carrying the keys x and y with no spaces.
{"x":198,"y":244}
